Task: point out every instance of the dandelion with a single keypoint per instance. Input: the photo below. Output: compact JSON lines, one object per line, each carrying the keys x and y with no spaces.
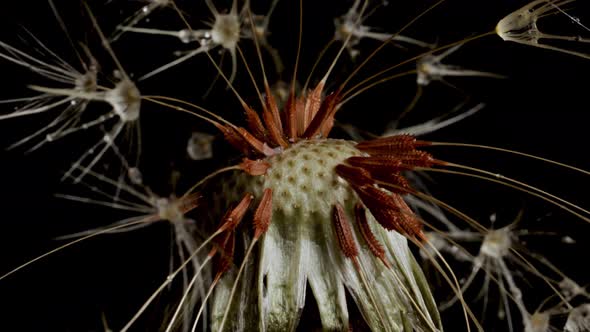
{"x":280,"y":222}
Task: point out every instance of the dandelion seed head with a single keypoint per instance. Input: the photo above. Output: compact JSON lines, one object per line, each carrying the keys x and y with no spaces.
{"x":303,"y":179}
{"x":322,"y":234}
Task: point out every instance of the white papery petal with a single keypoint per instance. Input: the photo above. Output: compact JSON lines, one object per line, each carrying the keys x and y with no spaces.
{"x":282,"y":275}
{"x":384,"y":299}
{"x":325,"y":283}
{"x":243,"y":304}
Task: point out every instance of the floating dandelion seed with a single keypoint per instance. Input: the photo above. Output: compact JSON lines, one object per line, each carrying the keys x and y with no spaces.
{"x":61,"y":72}
{"x":504,"y":260}
{"x":82,"y":88}
{"x":303,"y":219}
{"x":225,"y":31}
{"x":430,"y":68}
{"x":349,"y":27}
{"x":579,"y":319}
{"x":522,"y":26}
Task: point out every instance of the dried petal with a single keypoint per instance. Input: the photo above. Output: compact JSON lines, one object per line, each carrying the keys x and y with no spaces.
{"x":344,"y":232}
{"x":263,"y":214}
{"x":391,"y":144}
{"x":374,"y":246}
{"x":255,"y":124}
{"x":254,"y":167}
{"x":232,"y":219}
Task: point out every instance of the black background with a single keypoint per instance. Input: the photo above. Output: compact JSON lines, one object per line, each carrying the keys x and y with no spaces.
{"x":541,"y":109}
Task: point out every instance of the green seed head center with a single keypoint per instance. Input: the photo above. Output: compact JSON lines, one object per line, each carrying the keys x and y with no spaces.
{"x":303,"y":179}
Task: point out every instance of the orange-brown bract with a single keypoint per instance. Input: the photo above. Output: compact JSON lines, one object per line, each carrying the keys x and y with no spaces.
{"x":374,"y":245}
{"x":344,"y":232}
{"x":254,"y":167}
{"x":263,"y":214}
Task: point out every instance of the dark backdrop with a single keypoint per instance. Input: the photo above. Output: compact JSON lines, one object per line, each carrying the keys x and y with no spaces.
{"x":540,"y":109}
